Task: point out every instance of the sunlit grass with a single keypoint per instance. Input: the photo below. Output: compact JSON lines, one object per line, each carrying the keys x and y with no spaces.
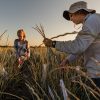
{"x":45,"y":77}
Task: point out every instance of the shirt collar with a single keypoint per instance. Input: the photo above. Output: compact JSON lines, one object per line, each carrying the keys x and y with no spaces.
{"x":86,"y":17}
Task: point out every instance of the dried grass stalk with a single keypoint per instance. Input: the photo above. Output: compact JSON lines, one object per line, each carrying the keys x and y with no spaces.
{"x":17,"y":97}
{"x":63,"y":34}
{"x":44,"y":73}
{"x":65,"y":94}
{"x":51,"y":93}
{"x":81,"y":74}
{"x":33,"y":91}
{"x":40,"y":30}
{"x":3,"y":33}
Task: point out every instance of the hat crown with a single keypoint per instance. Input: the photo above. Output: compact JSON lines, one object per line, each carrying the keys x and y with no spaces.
{"x":78,"y":5}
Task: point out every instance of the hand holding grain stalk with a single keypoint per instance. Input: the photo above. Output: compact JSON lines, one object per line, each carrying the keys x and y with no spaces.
{"x":46,"y":41}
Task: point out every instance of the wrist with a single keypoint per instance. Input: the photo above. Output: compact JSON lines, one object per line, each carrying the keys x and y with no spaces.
{"x":53,"y":44}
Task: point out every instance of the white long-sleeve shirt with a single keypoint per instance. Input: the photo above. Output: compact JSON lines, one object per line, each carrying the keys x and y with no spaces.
{"x":87,"y":42}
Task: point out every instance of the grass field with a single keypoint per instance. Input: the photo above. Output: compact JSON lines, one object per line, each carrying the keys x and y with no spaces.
{"x":44,"y":78}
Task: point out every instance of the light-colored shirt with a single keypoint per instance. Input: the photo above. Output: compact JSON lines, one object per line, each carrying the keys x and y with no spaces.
{"x":87,"y":42}
{"x":21,"y":49}
{"x":71,"y":57}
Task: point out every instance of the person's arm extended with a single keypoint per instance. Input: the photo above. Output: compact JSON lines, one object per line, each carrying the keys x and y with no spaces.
{"x":77,"y":46}
{"x":84,"y":39}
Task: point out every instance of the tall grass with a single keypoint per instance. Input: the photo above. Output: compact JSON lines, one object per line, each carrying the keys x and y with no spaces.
{"x":44,"y":82}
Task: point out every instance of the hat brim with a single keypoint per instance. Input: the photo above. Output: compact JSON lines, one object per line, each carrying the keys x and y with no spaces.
{"x":66,"y":13}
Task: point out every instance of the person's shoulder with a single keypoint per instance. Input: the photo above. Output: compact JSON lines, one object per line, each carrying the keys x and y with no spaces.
{"x":95,"y":14}
{"x":93,"y":17}
{"x":26,"y":41}
{"x":16,"y":40}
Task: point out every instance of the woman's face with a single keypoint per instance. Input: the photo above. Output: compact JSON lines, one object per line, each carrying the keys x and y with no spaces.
{"x":76,"y":18}
{"x":21,"y":36}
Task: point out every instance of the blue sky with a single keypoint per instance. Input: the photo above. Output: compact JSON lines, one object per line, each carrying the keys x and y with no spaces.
{"x":16,"y":14}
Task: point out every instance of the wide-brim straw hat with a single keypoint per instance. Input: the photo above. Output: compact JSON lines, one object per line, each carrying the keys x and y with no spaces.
{"x":76,"y":7}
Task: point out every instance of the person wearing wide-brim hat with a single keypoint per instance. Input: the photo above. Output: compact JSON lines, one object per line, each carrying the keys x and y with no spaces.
{"x":81,"y":5}
{"x":87,"y":41}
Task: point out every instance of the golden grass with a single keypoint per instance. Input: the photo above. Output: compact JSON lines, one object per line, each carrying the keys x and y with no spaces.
{"x":46,"y":72}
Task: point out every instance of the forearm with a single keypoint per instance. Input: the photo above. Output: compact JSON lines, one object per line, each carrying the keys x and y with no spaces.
{"x":71,"y":58}
{"x":77,"y":46}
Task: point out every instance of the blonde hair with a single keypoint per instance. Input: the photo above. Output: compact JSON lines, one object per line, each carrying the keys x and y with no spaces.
{"x":20,"y":31}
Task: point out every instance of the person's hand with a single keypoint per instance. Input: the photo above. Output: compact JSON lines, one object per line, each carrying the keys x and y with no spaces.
{"x":47,"y":42}
{"x":64,"y":62}
{"x":26,"y":54}
{"x":20,"y":61}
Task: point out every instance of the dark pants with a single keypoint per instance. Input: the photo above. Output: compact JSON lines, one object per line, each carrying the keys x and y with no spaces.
{"x":96,"y":81}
